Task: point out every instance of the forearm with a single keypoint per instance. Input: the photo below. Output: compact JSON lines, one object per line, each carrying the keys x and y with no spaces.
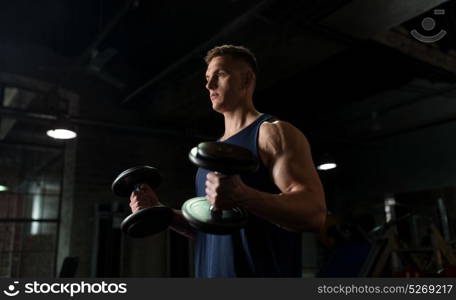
{"x":180,"y":225}
{"x":294,"y":211}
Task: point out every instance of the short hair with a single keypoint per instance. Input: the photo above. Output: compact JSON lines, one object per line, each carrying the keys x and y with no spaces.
{"x":236,"y":52}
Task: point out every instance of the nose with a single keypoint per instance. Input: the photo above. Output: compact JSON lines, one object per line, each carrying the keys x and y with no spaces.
{"x":211,"y":83}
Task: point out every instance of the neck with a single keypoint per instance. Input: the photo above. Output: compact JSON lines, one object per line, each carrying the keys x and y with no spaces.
{"x":238,"y":119}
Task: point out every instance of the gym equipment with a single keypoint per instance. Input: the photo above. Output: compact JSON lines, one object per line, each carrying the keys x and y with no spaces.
{"x":225,"y":159}
{"x":406,"y":260}
{"x":147,"y":221}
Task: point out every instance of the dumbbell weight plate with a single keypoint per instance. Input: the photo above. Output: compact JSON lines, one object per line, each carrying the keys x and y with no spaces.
{"x":223,"y":158}
{"x":126,"y":182}
{"x":198,"y":213}
{"x":147,"y":221}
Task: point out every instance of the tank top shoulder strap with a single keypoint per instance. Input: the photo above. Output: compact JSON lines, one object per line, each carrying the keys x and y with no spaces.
{"x":248,"y":137}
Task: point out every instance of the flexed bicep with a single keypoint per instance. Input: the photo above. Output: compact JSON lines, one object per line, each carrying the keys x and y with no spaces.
{"x":289,"y":158}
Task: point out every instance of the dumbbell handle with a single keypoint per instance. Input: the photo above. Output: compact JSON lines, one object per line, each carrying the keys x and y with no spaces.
{"x":216,"y":213}
{"x":138,"y":189}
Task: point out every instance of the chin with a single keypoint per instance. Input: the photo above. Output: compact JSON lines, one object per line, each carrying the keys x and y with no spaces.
{"x":217,"y":106}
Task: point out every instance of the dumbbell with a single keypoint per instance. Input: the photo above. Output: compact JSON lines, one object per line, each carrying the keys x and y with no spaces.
{"x":225,"y":159}
{"x":146,"y":221}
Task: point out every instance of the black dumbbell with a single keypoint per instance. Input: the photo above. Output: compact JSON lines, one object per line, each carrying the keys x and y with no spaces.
{"x":225,"y":159}
{"x":147,"y":221}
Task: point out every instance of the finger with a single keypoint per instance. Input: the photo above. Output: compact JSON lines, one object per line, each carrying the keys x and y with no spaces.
{"x":214,"y":177}
{"x":139,"y":205}
{"x":214,"y":183}
{"x":133,"y":197}
{"x":139,"y":200}
{"x":210,"y":177}
{"x":133,"y":207}
{"x":136,"y":193}
{"x":210,"y":184}
{"x":215,"y":187}
{"x":211,"y":193}
{"x":211,"y":200}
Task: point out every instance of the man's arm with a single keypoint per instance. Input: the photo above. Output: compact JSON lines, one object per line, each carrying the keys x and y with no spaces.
{"x":286,"y":153}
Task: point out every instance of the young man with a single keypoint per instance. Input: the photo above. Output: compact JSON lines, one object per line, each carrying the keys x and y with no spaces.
{"x":284,"y":197}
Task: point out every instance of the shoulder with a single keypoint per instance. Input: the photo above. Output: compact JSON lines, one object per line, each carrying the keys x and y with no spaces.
{"x":276,"y":136}
{"x":278,"y":131}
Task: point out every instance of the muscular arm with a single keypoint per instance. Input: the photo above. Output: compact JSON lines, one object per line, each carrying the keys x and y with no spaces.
{"x":286,"y":153}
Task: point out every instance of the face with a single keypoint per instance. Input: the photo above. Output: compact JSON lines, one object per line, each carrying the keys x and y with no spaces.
{"x":224,"y":78}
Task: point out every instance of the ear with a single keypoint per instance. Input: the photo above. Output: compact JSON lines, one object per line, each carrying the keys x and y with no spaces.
{"x":248,"y":78}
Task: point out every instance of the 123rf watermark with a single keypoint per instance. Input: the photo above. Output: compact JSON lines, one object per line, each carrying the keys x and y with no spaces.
{"x":70,"y":289}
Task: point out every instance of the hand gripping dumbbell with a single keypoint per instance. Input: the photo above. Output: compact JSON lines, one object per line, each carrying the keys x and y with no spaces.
{"x":146,"y":221}
{"x":225,"y":159}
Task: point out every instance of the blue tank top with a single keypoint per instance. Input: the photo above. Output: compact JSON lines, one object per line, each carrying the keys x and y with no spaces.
{"x":260,"y":249}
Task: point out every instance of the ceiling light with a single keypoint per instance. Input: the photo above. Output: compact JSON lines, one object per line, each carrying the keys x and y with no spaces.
{"x":327,"y":166}
{"x":326,"y":163}
{"x":61,"y":134}
{"x":3,"y":188}
{"x":63,"y":130}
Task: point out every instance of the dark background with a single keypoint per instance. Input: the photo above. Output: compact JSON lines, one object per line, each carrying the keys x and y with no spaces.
{"x":129,"y":75}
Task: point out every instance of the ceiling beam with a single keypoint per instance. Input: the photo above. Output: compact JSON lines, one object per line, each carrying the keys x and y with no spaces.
{"x":233,"y":26}
{"x":364,"y":19}
{"x":31,"y":147}
{"x":406,"y":44}
{"x":50,"y":119}
{"x":89,"y":52}
{"x":15,"y":98}
{"x":33,"y":85}
{"x":310,"y":45}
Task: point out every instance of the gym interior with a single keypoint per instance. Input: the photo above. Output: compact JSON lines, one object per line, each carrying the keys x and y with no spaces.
{"x":369,"y":83}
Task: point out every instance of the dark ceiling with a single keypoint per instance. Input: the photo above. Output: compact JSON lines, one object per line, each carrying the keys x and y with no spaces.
{"x":140,"y":62}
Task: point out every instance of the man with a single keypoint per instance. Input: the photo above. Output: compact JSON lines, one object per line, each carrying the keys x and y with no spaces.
{"x":283,"y":198}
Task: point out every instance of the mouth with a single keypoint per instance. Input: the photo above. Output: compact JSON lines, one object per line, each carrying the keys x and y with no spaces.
{"x":214,"y":96}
